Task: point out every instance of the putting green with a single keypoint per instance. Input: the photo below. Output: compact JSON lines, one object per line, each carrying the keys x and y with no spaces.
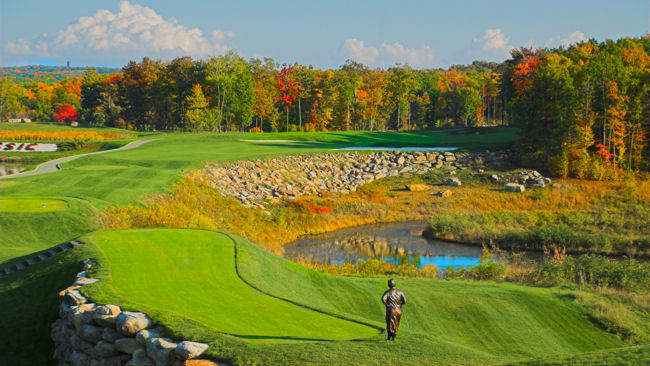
{"x":32,"y":205}
{"x":192,"y":272}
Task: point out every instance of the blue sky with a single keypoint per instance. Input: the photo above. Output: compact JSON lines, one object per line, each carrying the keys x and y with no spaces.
{"x":378,"y":33}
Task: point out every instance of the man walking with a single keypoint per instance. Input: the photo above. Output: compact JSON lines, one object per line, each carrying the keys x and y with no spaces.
{"x":393,"y":299}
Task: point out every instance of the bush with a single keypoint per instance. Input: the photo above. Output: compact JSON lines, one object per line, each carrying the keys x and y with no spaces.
{"x":487,"y":271}
{"x":625,"y":274}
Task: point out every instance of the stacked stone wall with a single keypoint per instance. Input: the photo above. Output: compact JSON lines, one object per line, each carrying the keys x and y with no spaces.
{"x":88,"y":334}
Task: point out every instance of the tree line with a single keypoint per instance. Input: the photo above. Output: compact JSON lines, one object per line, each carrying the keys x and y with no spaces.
{"x":581,"y":109}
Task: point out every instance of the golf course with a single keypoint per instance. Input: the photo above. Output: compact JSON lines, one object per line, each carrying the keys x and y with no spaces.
{"x":251,"y":306}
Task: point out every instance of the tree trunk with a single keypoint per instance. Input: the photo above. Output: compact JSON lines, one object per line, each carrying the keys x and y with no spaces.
{"x":398,"y":114}
{"x":287,"y":109}
{"x":347,"y":124}
{"x":408,"y":127}
{"x":299,"y":116}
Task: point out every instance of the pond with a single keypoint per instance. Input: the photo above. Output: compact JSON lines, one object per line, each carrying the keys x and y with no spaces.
{"x":407,"y":148}
{"x":11,"y":168}
{"x":397,"y":243}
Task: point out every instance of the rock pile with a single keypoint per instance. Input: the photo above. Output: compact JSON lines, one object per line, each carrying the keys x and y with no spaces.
{"x":88,"y":334}
{"x":518,"y":181}
{"x":256,"y":182}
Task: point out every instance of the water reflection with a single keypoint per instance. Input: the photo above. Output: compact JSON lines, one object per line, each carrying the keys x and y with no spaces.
{"x":397,"y":243}
{"x":10,"y":168}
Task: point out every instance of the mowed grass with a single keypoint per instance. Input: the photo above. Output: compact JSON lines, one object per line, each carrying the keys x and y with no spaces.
{"x":37,"y":228}
{"x":31,"y":205}
{"x":155,"y":166}
{"x":500,"y":319}
{"x":192,"y":272}
{"x":130,"y":176}
{"x":187,"y":279}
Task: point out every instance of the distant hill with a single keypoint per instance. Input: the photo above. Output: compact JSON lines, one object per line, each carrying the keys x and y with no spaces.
{"x":42,"y":73}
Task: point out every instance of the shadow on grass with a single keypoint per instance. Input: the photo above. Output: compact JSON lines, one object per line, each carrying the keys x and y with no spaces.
{"x":287,"y":338}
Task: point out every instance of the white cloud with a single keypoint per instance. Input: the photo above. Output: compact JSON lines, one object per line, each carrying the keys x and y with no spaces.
{"x":495,"y":41}
{"x":132,"y":32}
{"x":387,"y":54}
{"x":565,"y":40}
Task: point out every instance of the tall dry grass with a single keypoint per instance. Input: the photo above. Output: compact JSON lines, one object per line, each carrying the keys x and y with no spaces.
{"x":61,"y":136}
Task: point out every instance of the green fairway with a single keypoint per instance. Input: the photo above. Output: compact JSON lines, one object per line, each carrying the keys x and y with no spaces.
{"x":31,"y":205}
{"x":129,"y":176}
{"x":192,"y":272}
{"x":153,"y":167}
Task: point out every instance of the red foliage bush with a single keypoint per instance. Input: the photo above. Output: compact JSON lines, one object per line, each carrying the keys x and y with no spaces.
{"x":66,"y":113}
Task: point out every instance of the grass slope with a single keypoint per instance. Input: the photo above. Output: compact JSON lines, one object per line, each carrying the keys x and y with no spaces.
{"x":27,"y":227}
{"x":192,"y":272}
{"x":29,"y":304}
{"x":187,"y":279}
{"x":501,"y":319}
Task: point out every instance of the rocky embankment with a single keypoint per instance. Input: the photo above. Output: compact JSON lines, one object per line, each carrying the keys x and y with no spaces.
{"x":88,"y":334}
{"x":257,"y":182}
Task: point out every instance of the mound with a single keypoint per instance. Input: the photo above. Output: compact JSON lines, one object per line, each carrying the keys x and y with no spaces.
{"x":192,"y":272}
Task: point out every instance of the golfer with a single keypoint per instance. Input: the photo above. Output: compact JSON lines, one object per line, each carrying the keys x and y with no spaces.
{"x":393,"y":299}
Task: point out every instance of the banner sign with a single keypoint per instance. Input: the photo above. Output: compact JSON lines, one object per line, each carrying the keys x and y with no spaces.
{"x":26,"y":147}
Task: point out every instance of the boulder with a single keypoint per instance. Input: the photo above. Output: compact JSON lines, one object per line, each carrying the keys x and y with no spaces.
{"x":82,"y":281}
{"x":79,"y":344}
{"x":140,"y":359}
{"x":127,"y":345}
{"x":446,"y":193}
{"x":130,"y":323}
{"x":161,"y":350}
{"x":199,"y":363}
{"x":417,"y":187}
{"x":514,"y":187}
{"x":106,"y":315}
{"x":71,"y":297}
{"x":90,"y":333}
{"x":145,"y":334}
{"x":453,"y":181}
{"x":118,"y":360}
{"x":102,"y":349}
{"x":82,"y":314}
{"x":111,"y":335}
{"x":61,"y":331}
{"x":79,"y":359}
{"x":187,"y":350}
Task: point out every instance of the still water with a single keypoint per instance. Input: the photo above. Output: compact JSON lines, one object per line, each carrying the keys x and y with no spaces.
{"x":10,"y":168}
{"x":397,"y":243}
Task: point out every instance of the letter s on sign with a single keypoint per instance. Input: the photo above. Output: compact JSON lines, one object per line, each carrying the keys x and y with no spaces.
{"x":9,"y":146}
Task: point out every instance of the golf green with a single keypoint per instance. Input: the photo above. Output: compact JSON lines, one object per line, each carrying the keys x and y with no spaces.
{"x":31,"y":205}
{"x":192,"y":272}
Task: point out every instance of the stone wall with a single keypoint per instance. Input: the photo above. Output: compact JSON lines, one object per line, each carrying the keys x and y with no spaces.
{"x":88,"y":334}
{"x":256,"y":182}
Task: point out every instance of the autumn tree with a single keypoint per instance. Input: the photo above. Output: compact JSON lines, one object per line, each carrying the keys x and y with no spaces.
{"x":287,"y":89}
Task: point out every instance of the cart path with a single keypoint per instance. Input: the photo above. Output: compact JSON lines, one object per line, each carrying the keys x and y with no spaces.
{"x":53,"y":165}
